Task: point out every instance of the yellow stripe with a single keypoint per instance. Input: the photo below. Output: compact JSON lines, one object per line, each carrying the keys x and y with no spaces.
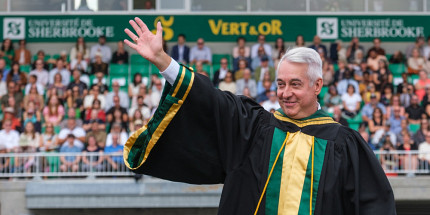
{"x":178,"y":86}
{"x":312,"y":175}
{"x":316,"y":121}
{"x":296,"y":157}
{"x":270,"y":174}
{"x":130,"y":142}
{"x":160,"y":129}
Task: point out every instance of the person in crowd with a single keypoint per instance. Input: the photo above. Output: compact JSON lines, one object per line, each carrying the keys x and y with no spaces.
{"x":201,"y":52}
{"x":348,"y":79}
{"x":48,"y":139}
{"x":22,"y":54}
{"x":373,"y":60}
{"x":100,"y":81}
{"x":416,"y":62}
{"x":133,"y":87}
{"x":316,"y":45}
{"x":53,"y":112}
{"x":41,"y":73}
{"x":115,"y":161}
{"x":426,"y":98}
{"x":145,"y":97}
{"x":4,"y":71}
{"x":264,"y":67}
{"x":241,"y":44}
{"x":272,"y":103}
{"x":136,"y":125}
{"x":352,"y":48}
{"x":421,"y":84}
{"x":382,"y":77}
{"x":82,"y":87}
{"x":62,"y":70}
{"x":414,"y":112}
{"x":40,"y":56}
{"x":278,"y":51}
{"x":9,"y":113}
{"x":396,"y":119}
{"x":351,"y":102}
{"x":219,"y":75}
{"x":156,"y":90}
{"x":7,"y":50}
{"x":15,"y":75}
{"x":70,"y":162}
{"x":32,"y":83}
{"x":264,"y":95}
{"x":340,"y":72}
{"x":144,"y":110}
{"x":371,"y":90}
{"x":12,"y":92}
{"x":3,"y":86}
{"x":256,"y":61}
{"x":135,"y":114}
{"x":199,"y":69}
{"x":402,"y":84}
{"x":241,"y":56}
{"x":71,"y":128}
{"x":420,"y":135}
{"x":300,"y":41}
{"x":80,"y":47}
{"x":389,"y":159}
{"x":238,"y":74}
{"x":33,"y":115}
{"x":58,"y":88}
{"x":368,"y":109}
{"x":246,"y":82}
{"x":377,"y":123}
{"x":358,"y":57}
{"x":120,"y":56}
{"x":98,"y":65}
{"x":116,"y":106}
{"x":79,"y":63}
{"x":29,"y":140}
{"x":387,"y":95}
{"x":93,"y":162}
{"x":337,"y":51}
{"x":9,"y":136}
{"x":180,"y":51}
{"x":406,"y":95}
{"x":71,"y":114}
{"x":261,"y":42}
{"x":99,"y":111}
{"x":328,"y":73}
{"x":332,"y":99}
{"x":122,"y":96}
{"x":394,"y":103}
{"x":97,"y":132}
{"x":76,"y":100}
{"x":409,"y":162}
{"x":103,"y":49}
{"x":424,"y":152}
{"x":397,"y":57}
{"x":117,"y":128}
{"x":419,"y":45}
{"x":377,"y":47}
{"x":337,"y":116}
{"x":228,"y":84}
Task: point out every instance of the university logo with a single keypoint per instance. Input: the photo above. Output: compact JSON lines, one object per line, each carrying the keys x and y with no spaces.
{"x":327,"y":28}
{"x":14,"y":28}
{"x":167,"y":31}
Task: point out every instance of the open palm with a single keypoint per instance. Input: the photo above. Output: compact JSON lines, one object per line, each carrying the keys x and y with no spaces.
{"x":146,"y":43}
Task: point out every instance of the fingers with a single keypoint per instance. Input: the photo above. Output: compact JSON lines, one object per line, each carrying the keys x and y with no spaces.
{"x":136,"y":27}
{"x":142,"y":25}
{"x":159,"y":29}
{"x":131,"y":34}
{"x":130,"y":44}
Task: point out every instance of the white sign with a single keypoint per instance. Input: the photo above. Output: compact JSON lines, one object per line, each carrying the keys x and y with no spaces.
{"x":14,"y":28}
{"x":327,"y":28}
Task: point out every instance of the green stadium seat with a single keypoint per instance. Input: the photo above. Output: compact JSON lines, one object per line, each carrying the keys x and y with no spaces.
{"x":122,"y":81}
{"x":137,"y":59}
{"x":25,"y":68}
{"x":216,"y":58}
{"x":118,"y":69}
{"x":414,"y":127}
{"x":139,"y":68}
{"x":155,"y":71}
{"x":397,"y":69}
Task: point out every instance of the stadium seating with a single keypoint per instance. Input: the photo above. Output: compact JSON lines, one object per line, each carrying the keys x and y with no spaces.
{"x":137,"y":59}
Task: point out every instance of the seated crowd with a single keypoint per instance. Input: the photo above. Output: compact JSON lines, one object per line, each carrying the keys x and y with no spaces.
{"x":69,"y":104}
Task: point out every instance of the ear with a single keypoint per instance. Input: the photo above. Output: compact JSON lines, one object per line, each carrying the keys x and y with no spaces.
{"x":318,"y":84}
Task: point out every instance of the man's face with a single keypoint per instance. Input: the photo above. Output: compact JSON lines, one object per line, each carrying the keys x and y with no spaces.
{"x":317,"y":40}
{"x":297,"y":98}
{"x":115,"y":86}
{"x":200,"y":43}
{"x":261,"y":39}
{"x":60,"y":64}
{"x":414,"y":100}
{"x":71,"y":124}
{"x":181,"y":40}
{"x":11,"y":87}
{"x":224,"y":63}
{"x":102,"y":40}
{"x":377,"y":43}
{"x":2,"y":64}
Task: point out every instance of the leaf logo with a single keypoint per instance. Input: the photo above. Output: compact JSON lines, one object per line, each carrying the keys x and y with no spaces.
{"x":14,"y":28}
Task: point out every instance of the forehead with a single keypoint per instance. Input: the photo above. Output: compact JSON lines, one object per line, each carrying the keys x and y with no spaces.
{"x":290,"y":70}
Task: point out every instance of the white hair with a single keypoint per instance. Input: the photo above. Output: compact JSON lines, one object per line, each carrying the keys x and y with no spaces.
{"x":307,"y":56}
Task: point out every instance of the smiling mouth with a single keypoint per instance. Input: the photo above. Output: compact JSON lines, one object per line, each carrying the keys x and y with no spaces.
{"x":289,"y":103}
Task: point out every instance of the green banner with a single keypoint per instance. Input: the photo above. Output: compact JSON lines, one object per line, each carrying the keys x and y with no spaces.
{"x":217,"y":28}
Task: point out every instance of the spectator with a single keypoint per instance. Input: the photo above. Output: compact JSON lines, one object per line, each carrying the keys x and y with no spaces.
{"x":200,"y":53}
{"x":261,"y":42}
{"x":337,"y":116}
{"x":53,"y":112}
{"x":257,"y":60}
{"x":122,"y":135}
{"x":414,"y":112}
{"x":377,"y":47}
{"x":238,"y":74}
{"x":228,"y":84}
{"x":422,"y":83}
{"x":260,"y":87}
{"x":406,"y":96}
{"x":103,"y":49}
{"x":71,"y":128}
{"x":241,"y":56}
{"x":29,"y":140}
{"x":3,"y":70}
{"x":120,"y":56}
{"x":337,"y":51}
{"x":93,"y":96}
{"x":264,"y":68}
{"x":115,"y":161}
{"x":300,"y":41}
{"x":403,"y":84}
{"x":22,"y":54}
{"x":316,"y":45}
{"x":419,"y":45}
{"x":81,"y":86}
{"x":373,"y":60}
{"x":371,"y":90}
{"x":49,"y":139}
{"x":416,"y":62}
{"x":40,"y":56}
{"x":32,"y":83}
{"x":145,"y":97}
{"x":122,"y":96}
{"x":12,"y":92}
{"x":93,"y":162}
{"x":241,"y":44}
{"x":358,"y":57}
{"x":389,"y":159}
{"x":219,"y":75}
{"x":144,"y":111}
{"x":15,"y":75}
{"x":7,"y":51}
{"x":332,"y":99}
{"x":264,"y":95}
{"x":327,"y":73}
{"x":278,"y":51}
{"x":426,"y":50}
{"x":246,"y":82}
{"x":97,"y":110}
{"x":351,"y":102}
{"x":133,"y":87}
{"x":156,"y":91}
{"x":41,"y":73}
{"x":97,"y":132}
{"x":395,"y":103}
{"x":424,"y":152}
{"x":98,"y":65}
{"x":272,"y":102}
{"x":80,"y":47}
{"x":395,"y":119}
{"x":100,"y":81}
{"x":136,"y":125}
{"x":420,"y":135}
{"x":5,"y":165}
{"x":9,"y":137}
{"x":426,"y":98}
{"x":58,"y":88}
{"x":65,"y":74}
{"x":351,"y":50}
{"x":71,"y":114}
{"x":383,"y":76}
{"x":199,"y":69}
{"x":3,"y":86}
{"x":180,"y":51}
{"x":387,"y":95}
{"x":70,"y":162}
{"x":33,"y":115}
{"x":116,"y":106}
{"x":397,"y":57}
{"x":76,"y":100}
{"x":342,"y":69}
{"x":79,"y":63}
{"x":409,"y":162}
{"x":378,"y":124}
{"x":367,"y":110}
{"x":348,"y":79}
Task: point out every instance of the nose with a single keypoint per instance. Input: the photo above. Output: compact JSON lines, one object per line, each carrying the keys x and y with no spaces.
{"x":286,"y":93}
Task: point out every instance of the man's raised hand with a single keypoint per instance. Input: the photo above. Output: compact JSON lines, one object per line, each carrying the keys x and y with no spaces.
{"x":147,"y":44}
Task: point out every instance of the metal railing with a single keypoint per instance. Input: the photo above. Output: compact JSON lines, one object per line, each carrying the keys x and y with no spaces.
{"x":53,"y":164}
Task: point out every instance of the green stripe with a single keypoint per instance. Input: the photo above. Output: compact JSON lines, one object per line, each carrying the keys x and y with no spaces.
{"x":138,"y":149}
{"x":272,"y":191}
{"x":319,"y":147}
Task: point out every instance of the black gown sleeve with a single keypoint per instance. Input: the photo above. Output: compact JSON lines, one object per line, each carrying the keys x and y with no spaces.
{"x":197,"y":135}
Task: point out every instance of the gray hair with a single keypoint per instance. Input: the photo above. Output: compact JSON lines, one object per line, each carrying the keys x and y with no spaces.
{"x":307,"y":56}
